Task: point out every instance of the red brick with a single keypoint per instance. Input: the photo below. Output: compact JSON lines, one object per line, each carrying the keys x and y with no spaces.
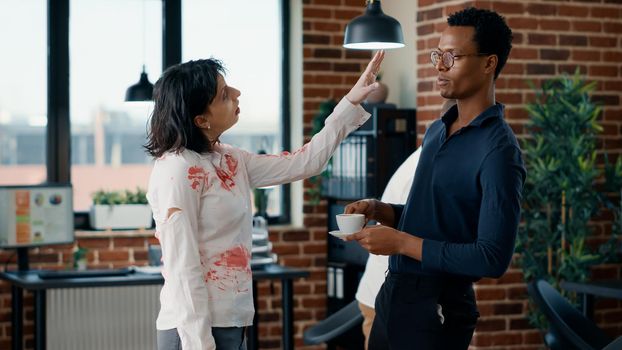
{"x":603,"y":71}
{"x":573,"y":40}
{"x":312,"y":12}
{"x":286,"y":249}
{"x":315,"y":39}
{"x":539,"y":69}
{"x":348,"y":14}
{"x":314,"y":248}
{"x":362,"y":54}
{"x":586,"y":26}
{"x":507,"y":8}
{"x":490,"y":325}
{"x":605,"y":12}
{"x":541,"y":9}
{"x":542,"y":39}
{"x":612,"y":56}
{"x":613,"y":27}
{"x":520,"y":324}
{"x":113,"y":255}
{"x":585,"y":55}
{"x":295,"y":236}
{"x":123,"y":242}
{"x":554,"y":55}
{"x":553,"y":24}
{"x":522,"y":23}
{"x":571,"y":68}
{"x":347,"y":67}
{"x":425,"y":29}
{"x":572,"y":11}
{"x":601,"y":41}
{"x":91,"y":243}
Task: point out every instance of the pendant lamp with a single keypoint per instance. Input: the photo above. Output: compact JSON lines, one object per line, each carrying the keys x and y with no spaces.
{"x":374,"y":30}
{"x":143,"y":90}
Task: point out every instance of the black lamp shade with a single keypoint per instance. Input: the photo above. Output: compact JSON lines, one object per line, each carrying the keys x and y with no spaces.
{"x":141,"y":91}
{"x":374,"y":30}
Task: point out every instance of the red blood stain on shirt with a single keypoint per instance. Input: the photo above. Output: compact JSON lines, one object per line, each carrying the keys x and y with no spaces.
{"x":198,"y":177}
{"x":230,"y":270}
{"x":236,"y":258}
{"x":232,"y":164}
{"x":300,"y":150}
{"x":226,"y":181}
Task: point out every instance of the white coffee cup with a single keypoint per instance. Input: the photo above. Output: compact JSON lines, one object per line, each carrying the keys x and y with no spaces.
{"x":350,"y":223}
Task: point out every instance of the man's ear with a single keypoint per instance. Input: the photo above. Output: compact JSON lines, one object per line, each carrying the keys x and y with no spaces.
{"x":491,"y":64}
{"x":201,"y":122}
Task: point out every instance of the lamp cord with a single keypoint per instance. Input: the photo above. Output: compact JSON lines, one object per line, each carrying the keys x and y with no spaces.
{"x":144,"y":35}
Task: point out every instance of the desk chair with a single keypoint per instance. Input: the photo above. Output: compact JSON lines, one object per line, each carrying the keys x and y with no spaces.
{"x":569,"y":329}
{"x":334,"y":325}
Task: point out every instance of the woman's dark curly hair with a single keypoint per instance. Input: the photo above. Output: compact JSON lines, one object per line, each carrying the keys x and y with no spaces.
{"x":492,"y":34}
{"x":182,"y":92}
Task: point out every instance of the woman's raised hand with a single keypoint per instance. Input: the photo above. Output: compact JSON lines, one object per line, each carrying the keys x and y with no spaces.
{"x":367,"y":81}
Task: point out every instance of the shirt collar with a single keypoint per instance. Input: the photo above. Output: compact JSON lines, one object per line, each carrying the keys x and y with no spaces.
{"x":494,"y":111}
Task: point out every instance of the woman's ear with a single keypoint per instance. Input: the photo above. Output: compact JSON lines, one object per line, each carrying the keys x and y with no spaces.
{"x":491,"y":64}
{"x":201,"y":122}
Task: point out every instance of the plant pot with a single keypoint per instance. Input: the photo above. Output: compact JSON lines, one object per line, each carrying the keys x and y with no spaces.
{"x":379,"y":95}
{"x":121,"y":216}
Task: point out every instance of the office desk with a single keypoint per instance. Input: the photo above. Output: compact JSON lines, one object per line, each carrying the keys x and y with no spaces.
{"x":29,"y":280}
{"x":588,"y":290}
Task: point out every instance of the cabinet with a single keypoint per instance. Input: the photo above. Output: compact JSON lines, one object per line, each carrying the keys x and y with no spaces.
{"x":361,"y":168}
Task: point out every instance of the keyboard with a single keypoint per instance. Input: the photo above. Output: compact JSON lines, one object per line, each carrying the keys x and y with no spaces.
{"x":53,"y":274}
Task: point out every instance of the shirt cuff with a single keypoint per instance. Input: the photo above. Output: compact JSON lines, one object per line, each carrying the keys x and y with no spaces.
{"x":431,"y":253}
{"x":357,"y":115}
{"x":398,"y":209}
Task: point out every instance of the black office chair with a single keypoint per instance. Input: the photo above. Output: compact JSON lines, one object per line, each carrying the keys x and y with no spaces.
{"x":569,"y":329}
{"x":334,"y":325}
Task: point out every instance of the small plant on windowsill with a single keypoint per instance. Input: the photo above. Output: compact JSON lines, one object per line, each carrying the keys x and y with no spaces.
{"x":120,"y":210}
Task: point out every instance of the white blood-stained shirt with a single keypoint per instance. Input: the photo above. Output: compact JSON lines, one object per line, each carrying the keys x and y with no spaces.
{"x":206,"y":244}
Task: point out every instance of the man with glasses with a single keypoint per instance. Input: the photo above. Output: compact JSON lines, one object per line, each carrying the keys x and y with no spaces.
{"x":460,"y":220}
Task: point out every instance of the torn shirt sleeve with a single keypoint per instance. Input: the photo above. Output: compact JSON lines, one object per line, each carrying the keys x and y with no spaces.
{"x":177,"y":189}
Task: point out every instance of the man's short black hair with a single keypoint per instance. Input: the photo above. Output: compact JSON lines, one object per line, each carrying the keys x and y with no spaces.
{"x":492,"y":34}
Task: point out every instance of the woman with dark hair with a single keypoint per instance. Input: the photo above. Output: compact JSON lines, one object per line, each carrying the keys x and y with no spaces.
{"x":199,"y":192}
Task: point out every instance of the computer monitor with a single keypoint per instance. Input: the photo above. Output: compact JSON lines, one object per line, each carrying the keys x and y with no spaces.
{"x":37,"y":215}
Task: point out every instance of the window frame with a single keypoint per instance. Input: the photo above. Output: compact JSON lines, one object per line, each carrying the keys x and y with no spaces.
{"x":58,"y":129}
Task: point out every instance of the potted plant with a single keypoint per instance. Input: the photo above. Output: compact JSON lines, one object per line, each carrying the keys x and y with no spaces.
{"x":120,"y":210}
{"x":561,"y":195}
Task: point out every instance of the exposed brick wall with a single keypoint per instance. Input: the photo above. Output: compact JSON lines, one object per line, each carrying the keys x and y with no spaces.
{"x":551,"y":37}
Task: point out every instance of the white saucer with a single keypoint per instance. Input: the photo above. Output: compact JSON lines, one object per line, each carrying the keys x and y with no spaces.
{"x":339,"y":234}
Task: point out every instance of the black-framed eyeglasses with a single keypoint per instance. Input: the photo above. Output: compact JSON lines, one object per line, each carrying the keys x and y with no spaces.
{"x":447,"y":58}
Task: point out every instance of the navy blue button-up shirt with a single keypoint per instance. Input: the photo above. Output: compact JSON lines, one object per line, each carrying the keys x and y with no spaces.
{"x":465,"y":199}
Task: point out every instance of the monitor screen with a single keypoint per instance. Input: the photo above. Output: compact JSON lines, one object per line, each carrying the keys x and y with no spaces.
{"x":36,"y":215}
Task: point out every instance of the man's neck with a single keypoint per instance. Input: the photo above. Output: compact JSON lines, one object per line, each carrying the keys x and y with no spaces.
{"x":469,"y":108}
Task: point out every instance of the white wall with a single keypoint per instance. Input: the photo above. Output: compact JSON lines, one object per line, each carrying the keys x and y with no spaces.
{"x":399,"y":69}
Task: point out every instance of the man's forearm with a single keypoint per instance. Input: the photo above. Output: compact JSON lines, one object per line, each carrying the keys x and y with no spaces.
{"x":411,"y":246}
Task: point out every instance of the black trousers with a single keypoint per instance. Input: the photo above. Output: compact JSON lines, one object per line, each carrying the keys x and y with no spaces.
{"x":407,"y":314}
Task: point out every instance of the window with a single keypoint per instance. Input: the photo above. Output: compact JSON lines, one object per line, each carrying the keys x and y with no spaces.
{"x":107,"y":133}
{"x":94,"y":138}
{"x":247,"y":37}
{"x":23,"y":89}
